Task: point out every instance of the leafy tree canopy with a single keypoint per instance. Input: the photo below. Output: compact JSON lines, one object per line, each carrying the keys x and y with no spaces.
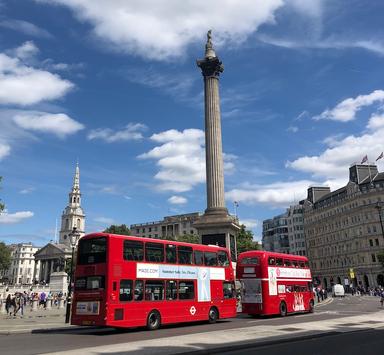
{"x":189,"y":238}
{"x":122,"y":229}
{"x":245,"y":241}
{"x":5,"y":256}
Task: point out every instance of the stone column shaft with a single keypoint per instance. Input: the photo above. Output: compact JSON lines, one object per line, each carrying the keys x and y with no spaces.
{"x":214,"y":155}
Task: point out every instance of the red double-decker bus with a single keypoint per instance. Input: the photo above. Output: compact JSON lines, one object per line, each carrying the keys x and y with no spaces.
{"x":274,"y":283}
{"x":124,"y":281}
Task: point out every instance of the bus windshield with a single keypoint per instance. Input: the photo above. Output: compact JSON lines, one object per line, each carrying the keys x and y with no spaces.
{"x":92,"y":251}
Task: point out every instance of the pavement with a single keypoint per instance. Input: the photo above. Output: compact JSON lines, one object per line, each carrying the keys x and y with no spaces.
{"x":34,"y":321}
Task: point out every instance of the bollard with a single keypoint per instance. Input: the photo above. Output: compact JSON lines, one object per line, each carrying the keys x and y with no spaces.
{"x":34,"y":305}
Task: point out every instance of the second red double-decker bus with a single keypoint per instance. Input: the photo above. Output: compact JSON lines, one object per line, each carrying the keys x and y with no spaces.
{"x":274,"y":283}
{"x":123,"y":281}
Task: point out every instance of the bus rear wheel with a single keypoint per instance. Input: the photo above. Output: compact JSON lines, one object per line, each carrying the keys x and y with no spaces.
{"x":153,"y":320}
{"x":283,"y":309}
{"x":213,"y":315}
{"x":311,"y":306}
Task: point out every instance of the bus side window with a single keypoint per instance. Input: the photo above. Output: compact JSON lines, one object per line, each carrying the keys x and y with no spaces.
{"x":306,"y":264}
{"x":170,"y":254}
{"x":295,"y":264}
{"x":139,"y":290}
{"x":184,"y":254}
{"x":296,"y":288}
{"x":133,"y":250}
{"x":186,"y":290}
{"x":271,"y":261}
{"x":154,"y":290}
{"x":279,"y":262}
{"x":171,"y":290}
{"x":125,"y":293}
{"x":154,"y":252}
{"x":199,"y":257}
{"x":223,"y":259}
{"x":301,"y":263}
{"x":287,"y":263}
{"x":210,"y":258}
{"x":229,"y":290}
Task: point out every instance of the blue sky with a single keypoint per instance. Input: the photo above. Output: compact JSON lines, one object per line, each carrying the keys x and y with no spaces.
{"x":115,"y":85}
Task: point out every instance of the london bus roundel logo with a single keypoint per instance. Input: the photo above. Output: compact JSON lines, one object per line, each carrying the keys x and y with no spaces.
{"x":192,"y":310}
{"x":278,"y":272}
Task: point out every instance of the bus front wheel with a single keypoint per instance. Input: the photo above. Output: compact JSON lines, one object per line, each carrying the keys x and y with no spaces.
{"x":213,"y":315}
{"x":283,"y":309}
{"x":153,"y":320}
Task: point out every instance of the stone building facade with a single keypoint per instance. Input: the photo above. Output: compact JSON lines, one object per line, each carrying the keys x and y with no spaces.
{"x":295,"y":221}
{"x":275,"y":234}
{"x":23,"y":266}
{"x":169,"y":227}
{"x":344,"y":229}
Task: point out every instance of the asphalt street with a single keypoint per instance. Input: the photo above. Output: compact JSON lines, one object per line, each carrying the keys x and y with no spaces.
{"x":334,"y":309}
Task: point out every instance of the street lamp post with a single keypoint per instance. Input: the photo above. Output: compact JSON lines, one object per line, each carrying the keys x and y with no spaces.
{"x":73,"y":238}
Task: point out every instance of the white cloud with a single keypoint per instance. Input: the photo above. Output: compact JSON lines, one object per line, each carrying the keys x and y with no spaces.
{"x":332,"y":165}
{"x":25,"y":27}
{"x":162,"y":30}
{"x":26,"y":51}
{"x":131,"y":132}
{"x":104,"y":220}
{"x":21,"y":84}
{"x":250,"y":223}
{"x":57,"y":123}
{"x":5,"y":149}
{"x":177,"y":200}
{"x":346,"y":110}
{"x":293,"y":129}
{"x":27,"y":190}
{"x":13,"y":218}
{"x":181,"y":159}
{"x":277,"y":194}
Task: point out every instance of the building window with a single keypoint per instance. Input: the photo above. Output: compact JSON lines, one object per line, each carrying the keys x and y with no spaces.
{"x":371,"y":242}
{"x":373,"y":258}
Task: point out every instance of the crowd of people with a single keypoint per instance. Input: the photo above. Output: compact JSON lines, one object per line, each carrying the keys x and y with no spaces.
{"x":16,"y":303}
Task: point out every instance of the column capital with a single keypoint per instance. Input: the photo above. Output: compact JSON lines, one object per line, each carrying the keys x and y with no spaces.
{"x":210,"y":67}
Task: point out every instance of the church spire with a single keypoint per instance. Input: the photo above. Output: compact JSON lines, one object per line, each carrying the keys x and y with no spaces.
{"x":76,"y":179}
{"x":73,"y":215}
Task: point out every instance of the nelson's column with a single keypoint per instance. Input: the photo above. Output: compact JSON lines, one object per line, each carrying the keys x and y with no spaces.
{"x":216,"y":226}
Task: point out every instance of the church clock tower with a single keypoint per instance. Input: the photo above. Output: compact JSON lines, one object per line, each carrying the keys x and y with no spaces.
{"x":73,"y":215}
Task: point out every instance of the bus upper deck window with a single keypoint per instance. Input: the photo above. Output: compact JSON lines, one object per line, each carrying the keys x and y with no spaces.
{"x":301,"y":263}
{"x":223,"y":259}
{"x":295,"y":263}
{"x":271,"y":261}
{"x":279,"y":262}
{"x":287,"y":263}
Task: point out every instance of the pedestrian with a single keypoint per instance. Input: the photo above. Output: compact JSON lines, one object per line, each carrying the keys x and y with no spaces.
{"x":382,"y":298}
{"x":17,"y":304}
{"x":8,"y":304}
{"x":43,"y":301}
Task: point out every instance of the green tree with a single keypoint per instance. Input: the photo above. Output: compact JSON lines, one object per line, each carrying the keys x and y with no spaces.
{"x":189,"y":238}
{"x":5,"y":256}
{"x":380,"y":257}
{"x":122,"y":229}
{"x":245,"y":241}
{"x":2,"y":206}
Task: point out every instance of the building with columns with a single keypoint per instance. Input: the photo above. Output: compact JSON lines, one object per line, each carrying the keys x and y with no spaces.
{"x":23,"y":266}
{"x":216,"y":226}
{"x":344,"y":229}
{"x":169,"y":227}
{"x":54,"y":256}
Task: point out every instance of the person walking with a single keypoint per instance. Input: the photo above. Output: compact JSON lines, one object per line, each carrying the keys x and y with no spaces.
{"x":8,"y":304}
{"x":382,"y":298}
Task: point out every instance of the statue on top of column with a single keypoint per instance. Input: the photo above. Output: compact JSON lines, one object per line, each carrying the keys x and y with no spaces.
{"x":209,"y":51}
